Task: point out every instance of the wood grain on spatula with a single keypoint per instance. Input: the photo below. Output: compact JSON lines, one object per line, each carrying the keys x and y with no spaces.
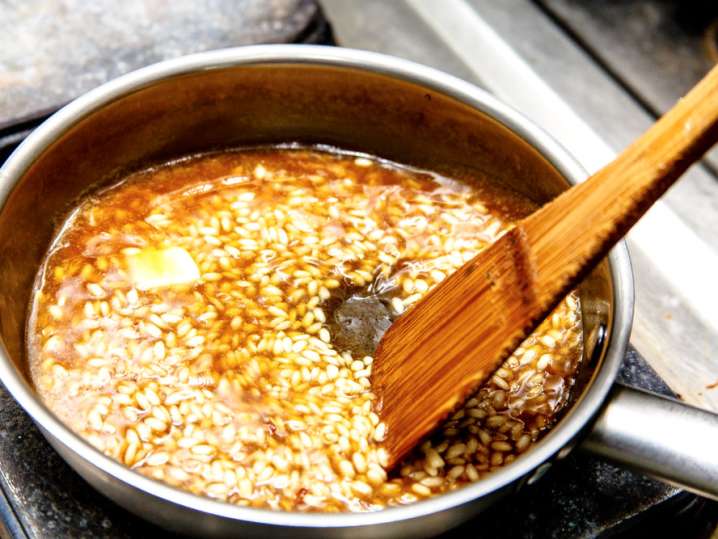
{"x":442,"y":349}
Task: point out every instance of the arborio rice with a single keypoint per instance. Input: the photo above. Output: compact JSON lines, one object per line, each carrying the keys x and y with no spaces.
{"x":182,"y":324}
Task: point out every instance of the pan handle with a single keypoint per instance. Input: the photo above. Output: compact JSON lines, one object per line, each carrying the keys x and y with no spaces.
{"x":661,"y":437}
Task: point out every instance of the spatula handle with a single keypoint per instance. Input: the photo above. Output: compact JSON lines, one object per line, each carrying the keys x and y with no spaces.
{"x":569,"y":235}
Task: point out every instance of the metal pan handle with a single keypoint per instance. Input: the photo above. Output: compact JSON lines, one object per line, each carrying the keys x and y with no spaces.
{"x":661,"y":437}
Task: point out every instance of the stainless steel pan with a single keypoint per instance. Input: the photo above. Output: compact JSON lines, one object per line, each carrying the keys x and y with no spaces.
{"x":357,"y":100}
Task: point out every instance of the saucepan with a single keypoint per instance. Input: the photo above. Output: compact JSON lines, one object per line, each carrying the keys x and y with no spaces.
{"x":359,"y":101}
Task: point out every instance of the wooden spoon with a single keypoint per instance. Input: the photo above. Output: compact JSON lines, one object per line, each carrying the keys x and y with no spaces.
{"x":442,"y":349}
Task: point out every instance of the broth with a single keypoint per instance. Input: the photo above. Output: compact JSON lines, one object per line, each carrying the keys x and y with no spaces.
{"x":210,"y":323}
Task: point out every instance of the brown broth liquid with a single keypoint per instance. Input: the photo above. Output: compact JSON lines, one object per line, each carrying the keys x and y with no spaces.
{"x":209,"y":323}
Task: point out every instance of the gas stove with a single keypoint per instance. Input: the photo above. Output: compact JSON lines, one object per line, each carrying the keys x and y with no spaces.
{"x":569,"y":46}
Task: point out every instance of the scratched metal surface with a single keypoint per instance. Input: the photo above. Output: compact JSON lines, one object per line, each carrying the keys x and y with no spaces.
{"x":54,"y":50}
{"x":658,"y":49}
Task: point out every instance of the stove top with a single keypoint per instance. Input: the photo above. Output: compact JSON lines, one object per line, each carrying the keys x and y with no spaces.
{"x":656,"y":49}
{"x":40,"y":496}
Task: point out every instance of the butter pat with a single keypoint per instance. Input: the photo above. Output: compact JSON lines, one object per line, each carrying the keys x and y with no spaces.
{"x":158,"y":268}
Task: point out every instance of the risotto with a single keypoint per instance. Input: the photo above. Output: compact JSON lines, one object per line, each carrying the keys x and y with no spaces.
{"x":191,"y":322}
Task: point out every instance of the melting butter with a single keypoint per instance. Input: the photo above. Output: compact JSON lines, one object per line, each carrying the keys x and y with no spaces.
{"x":158,"y":268}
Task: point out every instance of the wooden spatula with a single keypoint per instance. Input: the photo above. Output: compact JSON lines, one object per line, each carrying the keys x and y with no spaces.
{"x":451,"y":341}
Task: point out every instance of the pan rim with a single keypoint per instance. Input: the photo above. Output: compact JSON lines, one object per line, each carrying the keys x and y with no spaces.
{"x":558,"y":438}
